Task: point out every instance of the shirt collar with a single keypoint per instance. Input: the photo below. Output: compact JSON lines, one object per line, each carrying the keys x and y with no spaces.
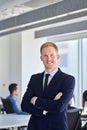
{"x":52,"y":73}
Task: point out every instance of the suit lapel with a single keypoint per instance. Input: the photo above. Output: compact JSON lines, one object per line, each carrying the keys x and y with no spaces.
{"x":54,"y":84}
{"x":41,"y":84}
{"x":55,"y":79}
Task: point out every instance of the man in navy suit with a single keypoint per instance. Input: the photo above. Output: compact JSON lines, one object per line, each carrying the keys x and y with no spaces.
{"x":48,"y":106}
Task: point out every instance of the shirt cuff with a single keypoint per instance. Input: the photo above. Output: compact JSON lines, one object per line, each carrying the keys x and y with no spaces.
{"x":45,"y":112}
{"x":35,"y":100}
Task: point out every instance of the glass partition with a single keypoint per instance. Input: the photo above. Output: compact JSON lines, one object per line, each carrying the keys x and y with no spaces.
{"x":73,"y":55}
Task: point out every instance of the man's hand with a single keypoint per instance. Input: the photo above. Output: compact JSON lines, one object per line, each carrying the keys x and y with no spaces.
{"x":58,"y":96}
{"x":33,"y":99}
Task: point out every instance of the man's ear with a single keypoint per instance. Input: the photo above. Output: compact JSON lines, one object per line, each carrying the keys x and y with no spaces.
{"x":41,"y":58}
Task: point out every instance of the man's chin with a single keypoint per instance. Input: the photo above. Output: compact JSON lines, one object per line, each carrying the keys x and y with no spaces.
{"x":49,"y":67}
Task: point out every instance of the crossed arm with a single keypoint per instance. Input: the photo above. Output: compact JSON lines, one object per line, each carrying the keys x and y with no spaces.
{"x":58,"y":96}
{"x":33,"y":100}
{"x":36,"y":105}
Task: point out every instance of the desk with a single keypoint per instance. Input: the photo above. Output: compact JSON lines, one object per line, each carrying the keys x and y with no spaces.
{"x":13,"y":120}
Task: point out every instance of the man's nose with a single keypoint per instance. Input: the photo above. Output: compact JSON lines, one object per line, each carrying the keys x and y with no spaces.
{"x":49,"y":57}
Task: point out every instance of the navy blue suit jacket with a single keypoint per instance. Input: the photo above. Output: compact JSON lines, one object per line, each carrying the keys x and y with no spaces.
{"x":56,"y":118}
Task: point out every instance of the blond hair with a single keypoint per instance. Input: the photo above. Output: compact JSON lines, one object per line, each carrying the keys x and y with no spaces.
{"x":48,"y":44}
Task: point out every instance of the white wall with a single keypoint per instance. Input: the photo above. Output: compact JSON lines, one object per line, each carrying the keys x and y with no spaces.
{"x":10,"y":62}
{"x":20,"y":58}
{"x":31,"y":62}
{"x":15,"y":58}
{"x":4,"y":65}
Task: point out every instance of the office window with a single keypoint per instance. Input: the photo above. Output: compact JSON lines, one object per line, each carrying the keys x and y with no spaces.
{"x":84,"y":65}
{"x":69,"y":63}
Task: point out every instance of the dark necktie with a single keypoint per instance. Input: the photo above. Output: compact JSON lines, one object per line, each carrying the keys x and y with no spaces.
{"x":46,"y":80}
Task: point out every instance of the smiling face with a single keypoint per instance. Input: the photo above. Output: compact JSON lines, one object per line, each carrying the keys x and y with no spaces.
{"x":49,"y":56}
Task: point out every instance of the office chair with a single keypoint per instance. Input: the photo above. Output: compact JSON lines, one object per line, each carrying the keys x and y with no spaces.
{"x":74,"y":119}
{"x":9,"y":109}
{"x":7,"y":105}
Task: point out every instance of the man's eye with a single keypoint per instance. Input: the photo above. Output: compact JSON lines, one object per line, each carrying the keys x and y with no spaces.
{"x":52,"y":55}
{"x":45,"y":55}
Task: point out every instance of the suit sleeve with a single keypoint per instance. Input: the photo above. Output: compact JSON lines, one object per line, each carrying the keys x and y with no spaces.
{"x":26,"y":105}
{"x":61,"y":104}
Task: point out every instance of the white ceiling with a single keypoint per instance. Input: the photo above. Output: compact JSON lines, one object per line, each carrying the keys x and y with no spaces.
{"x":40,"y":3}
{"x":58,"y":18}
{"x":10,"y":8}
{"x":5,"y":4}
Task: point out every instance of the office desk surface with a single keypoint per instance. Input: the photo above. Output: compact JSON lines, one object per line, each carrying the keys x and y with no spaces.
{"x":13,"y":120}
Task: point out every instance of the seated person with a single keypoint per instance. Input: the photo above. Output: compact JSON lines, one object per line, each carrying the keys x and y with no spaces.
{"x":72,"y":107}
{"x":71,"y":104}
{"x":14,"y":90}
{"x":84,"y":102}
{"x":84,"y":111}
